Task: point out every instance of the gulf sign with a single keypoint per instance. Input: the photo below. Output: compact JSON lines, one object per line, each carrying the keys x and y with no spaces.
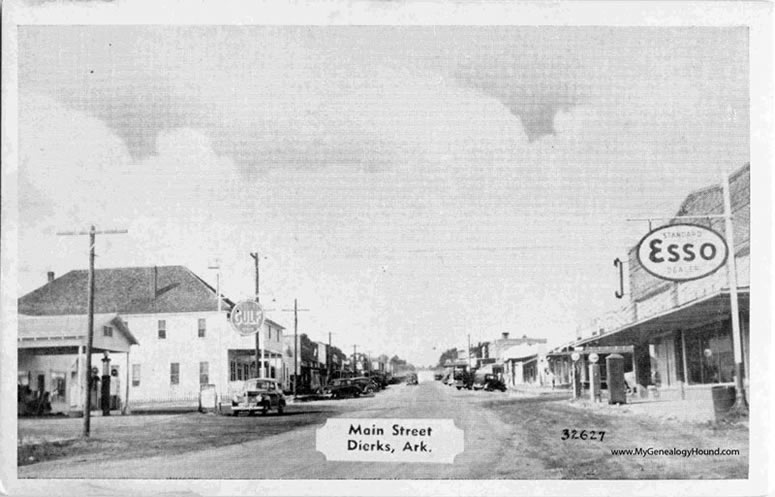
{"x":247,"y":317}
{"x":682,"y":252}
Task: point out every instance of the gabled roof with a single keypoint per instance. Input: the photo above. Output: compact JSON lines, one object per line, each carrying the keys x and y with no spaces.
{"x":70,"y":331}
{"x":131,"y":290}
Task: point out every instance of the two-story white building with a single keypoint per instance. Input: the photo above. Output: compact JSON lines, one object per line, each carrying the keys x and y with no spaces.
{"x":179,"y":339}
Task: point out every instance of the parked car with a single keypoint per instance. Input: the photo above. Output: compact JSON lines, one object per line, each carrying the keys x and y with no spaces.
{"x":463,"y":380}
{"x":258,"y":394}
{"x":492,"y":382}
{"x":411,"y":379}
{"x":343,"y":387}
{"x":367,"y":384}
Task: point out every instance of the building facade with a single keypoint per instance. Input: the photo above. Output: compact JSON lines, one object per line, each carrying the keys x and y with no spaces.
{"x":183,"y":337}
{"x":680,"y":333}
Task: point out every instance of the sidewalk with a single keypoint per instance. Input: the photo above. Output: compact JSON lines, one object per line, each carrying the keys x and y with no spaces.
{"x":537,"y":390}
{"x":691,"y":411}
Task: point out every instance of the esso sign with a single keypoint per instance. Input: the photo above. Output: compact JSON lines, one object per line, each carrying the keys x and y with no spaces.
{"x":593,"y":358}
{"x":247,"y":317}
{"x":682,"y":252}
{"x":575,"y":356}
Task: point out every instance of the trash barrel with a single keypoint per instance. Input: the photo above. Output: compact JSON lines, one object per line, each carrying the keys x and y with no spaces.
{"x":723,"y":400}
{"x":617,"y":391}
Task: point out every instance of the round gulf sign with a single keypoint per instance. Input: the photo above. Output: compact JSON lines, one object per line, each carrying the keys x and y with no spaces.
{"x":682,"y":252}
{"x":247,"y":317}
{"x":593,"y":358}
{"x":575,"y":356}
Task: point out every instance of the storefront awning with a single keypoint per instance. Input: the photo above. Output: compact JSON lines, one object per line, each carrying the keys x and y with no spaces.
{"x":64,"y":334}
{"x":699,"y":312}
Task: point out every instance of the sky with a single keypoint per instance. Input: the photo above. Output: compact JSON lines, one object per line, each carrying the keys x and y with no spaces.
{"x":408,"y":185}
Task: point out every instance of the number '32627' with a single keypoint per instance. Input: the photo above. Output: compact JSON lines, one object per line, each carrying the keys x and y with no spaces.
{"x":582,"y":435}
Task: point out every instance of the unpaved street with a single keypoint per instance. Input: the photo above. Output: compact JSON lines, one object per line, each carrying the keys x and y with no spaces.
{"x":505,"y":437}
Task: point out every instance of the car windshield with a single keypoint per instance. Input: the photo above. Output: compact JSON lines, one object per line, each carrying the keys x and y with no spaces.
{"x":260,"y":385}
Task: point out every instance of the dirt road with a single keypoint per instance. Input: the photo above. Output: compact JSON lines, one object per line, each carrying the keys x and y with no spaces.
{"x":505,"y":437}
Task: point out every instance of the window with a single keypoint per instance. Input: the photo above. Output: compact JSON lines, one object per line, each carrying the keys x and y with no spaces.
{"x":174,"y":373}
{"x":233,"y":371}
{"x":709,"y":354}
{"x":162,"y":329}
{"x":204,"y":377}
{"x":107,"y":331}
{"x":135,"y":375}
{"x":202,"y":327}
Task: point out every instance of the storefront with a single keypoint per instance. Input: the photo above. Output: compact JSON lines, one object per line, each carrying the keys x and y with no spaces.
{"x":681,"y":353}
{"x":51,"y":359}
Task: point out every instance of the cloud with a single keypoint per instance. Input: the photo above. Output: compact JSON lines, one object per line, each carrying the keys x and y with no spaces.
{"x":337,"y":151}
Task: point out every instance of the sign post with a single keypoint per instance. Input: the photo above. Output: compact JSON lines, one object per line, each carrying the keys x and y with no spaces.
{"x":740,"y":405}
{"x":575,"y":356}
{"x":595,"y":393}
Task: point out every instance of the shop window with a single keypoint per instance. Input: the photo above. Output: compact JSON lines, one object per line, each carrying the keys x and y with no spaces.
{"x":174,"y":373}
{"x":162,"y":329}
{"x":232,"y":371}
{"x":202,"y":327}
{"x":709,"y":355}
{"x":135,"y":375}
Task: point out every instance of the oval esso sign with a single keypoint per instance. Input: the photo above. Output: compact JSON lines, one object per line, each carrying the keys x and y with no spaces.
{"x":682,"y":252}
{"x":247,"y":317}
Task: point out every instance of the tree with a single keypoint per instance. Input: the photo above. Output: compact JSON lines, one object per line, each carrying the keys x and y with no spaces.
{"x":449,"y":354}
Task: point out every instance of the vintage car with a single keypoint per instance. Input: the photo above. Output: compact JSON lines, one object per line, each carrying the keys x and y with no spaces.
{"x":367,"y":384}
{"x":411,"y":379}
{"x":463,"y":380}
{"x":258,"y":394}
{"x":343,"y":387}
{"x":492,"y":382}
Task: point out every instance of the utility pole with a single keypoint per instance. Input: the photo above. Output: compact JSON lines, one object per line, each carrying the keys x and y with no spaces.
{"x":90,"y":311}
{"x":740,"y":405}
{"x":469,"y":353}
{"x":259,"y":366}
{"x":355,"y":358}
{"x":295,"y":311}
{"x":328,"y":358}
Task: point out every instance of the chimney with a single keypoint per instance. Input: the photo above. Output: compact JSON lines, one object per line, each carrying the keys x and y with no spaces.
{"x":50,"y":275}
{"x":154,"y":282}
{"x":505,"y":335}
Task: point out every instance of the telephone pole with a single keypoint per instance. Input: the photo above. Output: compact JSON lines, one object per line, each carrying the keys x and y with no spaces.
{"x":259,"y":366}
{"x":328,"y":358}
{"x":90,"y":320}
{"x":740,"y":406}
{"x":469,"y":353}
{"x":296,"y":312}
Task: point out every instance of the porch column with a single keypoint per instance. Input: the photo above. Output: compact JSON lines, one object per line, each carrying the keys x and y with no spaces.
{"x":125,"y":405}
{"x":81,"y":365}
